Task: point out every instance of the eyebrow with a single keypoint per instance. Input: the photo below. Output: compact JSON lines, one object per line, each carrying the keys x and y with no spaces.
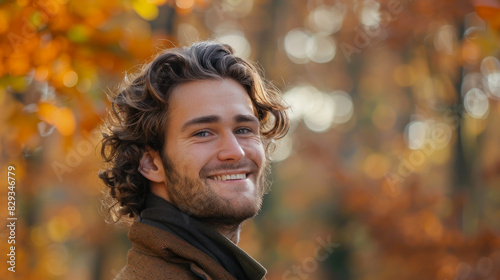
{"x":215,"y":119}
{"x":246,"y":118}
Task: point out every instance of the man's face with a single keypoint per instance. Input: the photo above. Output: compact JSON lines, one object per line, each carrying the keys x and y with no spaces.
{"x":214,"y":157}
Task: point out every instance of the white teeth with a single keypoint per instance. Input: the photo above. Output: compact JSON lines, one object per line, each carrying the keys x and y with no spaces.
{"x":229,"y":177}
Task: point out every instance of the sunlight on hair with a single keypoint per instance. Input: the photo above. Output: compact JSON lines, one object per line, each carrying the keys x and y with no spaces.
{"x":187,"y":33}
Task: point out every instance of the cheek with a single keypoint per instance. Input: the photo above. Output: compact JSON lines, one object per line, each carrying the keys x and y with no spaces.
{"x":195,"y":158}
{"x":255,"y":151}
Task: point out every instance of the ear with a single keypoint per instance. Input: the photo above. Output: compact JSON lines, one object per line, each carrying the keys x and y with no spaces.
{"x":151,"y":166}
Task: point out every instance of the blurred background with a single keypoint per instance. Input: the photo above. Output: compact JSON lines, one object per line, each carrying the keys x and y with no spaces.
{"x":391,"y":169}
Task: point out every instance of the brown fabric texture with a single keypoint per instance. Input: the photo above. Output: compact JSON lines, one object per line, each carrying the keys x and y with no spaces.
{"x":159,"y":254}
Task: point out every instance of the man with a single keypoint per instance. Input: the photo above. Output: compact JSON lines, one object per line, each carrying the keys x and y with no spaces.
{"x":187,"y":142}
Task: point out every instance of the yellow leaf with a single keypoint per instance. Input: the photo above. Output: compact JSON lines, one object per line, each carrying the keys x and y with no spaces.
{"x":145,"y":9}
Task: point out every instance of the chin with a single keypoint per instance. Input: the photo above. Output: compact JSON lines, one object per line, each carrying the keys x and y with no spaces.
{"x":236,"y":211}
{"x":249,"y":201}
{"x":250,"y":208}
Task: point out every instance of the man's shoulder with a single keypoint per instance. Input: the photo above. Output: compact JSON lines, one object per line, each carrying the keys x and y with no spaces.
{"x":153,"y":268}
{"x":151,"y":255}
{"x":159,"y":254}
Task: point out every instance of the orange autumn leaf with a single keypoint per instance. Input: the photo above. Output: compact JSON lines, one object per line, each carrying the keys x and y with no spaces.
{"x":489,"y":11}
{"x":62,"y":118}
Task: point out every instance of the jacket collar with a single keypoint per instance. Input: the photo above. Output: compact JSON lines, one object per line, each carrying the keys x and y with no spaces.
{"x":194,"y":238}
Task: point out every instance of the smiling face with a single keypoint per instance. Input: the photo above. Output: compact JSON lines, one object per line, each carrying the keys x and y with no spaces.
{"x":214,"y":157}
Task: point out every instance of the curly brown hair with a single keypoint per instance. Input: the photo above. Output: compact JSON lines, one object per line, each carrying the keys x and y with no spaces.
{"x":137,"y":118}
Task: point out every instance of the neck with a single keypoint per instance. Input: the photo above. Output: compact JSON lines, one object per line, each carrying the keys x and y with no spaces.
{"x":230,"y":232}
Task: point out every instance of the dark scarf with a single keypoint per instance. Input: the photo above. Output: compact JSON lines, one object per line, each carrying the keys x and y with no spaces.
{"x":160,"y":213}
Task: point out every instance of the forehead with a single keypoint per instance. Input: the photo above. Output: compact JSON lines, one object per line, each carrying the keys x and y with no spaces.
{"x":224,"y":98}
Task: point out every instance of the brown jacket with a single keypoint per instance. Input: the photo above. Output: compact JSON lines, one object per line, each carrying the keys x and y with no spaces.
{"x":159,"y":254}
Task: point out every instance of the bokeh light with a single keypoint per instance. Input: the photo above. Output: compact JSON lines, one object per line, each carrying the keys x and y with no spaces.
{"x":238,"y":41}
{"x":326,"y":19}
{"x":476,"y":103}
{"x":303,"y":46}
{"x":187,"y":33}
{"x":319,"y":112}
{"x":444,"y":41}
{"x":416,"y":134}
{"x":70,"y":79}
{"x":344,"y":107}
{"x":296,"y":45}
{"x":284,"y":148}
{"x":320,"y":48}
{"x":238,"y":8}
{"x":490,"y":68}
{"x":370,"y":14}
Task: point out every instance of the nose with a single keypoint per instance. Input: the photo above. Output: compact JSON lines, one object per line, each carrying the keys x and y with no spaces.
{"x":230,"y":148}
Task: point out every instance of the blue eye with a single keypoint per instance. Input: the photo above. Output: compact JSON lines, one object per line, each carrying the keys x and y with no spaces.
{"x":202,"y":133}
{"x":243,"y":130}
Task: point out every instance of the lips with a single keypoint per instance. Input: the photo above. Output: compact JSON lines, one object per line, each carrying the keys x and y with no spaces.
{"x":224,"y":172}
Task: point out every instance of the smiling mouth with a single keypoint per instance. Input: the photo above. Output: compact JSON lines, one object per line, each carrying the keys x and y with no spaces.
{"x":229,"y":177}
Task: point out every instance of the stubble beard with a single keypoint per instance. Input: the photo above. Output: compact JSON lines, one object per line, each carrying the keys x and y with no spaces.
{"x":195,"y":197}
